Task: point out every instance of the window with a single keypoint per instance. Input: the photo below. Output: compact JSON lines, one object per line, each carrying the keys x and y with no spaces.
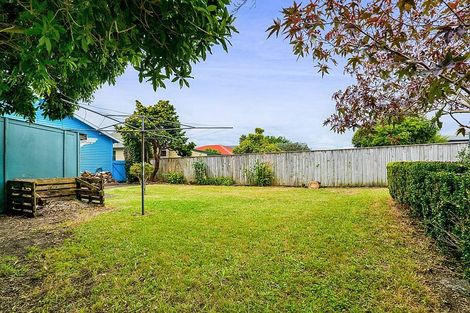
{"x":114,"y":155}
{"x":163,"y":153}
{"x":83,"y":136}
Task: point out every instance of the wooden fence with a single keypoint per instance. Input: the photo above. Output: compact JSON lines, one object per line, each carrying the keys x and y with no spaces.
{"x":339,"y":167}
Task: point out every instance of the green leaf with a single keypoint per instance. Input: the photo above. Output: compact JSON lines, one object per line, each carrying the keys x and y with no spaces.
{"x":118,"y":35}
{"x":84,"y":44}
{"x":47,"y":41}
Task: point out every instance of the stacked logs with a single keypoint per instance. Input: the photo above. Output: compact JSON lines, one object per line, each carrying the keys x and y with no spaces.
{"x":107,"y":177}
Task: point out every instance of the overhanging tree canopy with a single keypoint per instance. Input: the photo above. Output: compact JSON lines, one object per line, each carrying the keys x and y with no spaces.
{"x":409,"y":57}
{"x":54,"y":49}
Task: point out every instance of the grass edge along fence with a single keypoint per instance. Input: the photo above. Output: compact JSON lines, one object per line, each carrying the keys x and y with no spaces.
{"x":438,"y":193}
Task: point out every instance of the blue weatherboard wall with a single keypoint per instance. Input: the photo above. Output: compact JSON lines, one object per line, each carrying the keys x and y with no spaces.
{"x":35,"y":151}
{"x":96,"y":152}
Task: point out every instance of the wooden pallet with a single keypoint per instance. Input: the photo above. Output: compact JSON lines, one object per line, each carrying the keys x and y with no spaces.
{"x":26,"y":196}
{"x":21,"y":196}
{"x":90,"y":189}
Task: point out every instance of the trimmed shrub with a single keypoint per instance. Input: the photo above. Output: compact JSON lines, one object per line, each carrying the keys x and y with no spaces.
{"x":174,"y":178}
{"x":261,"y":174}
{"x":464,"y":156}
{"x":136,"y":171}
{"x":439,"y":194}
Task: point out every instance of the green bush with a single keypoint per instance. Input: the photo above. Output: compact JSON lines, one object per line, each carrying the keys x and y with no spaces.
{"x":200,"y":176}
{"x":464,"y":156}
{"x":411,"y":130}
{"x":136,"y":171}
{"x":220,"y":181}
{"x":439,"y":194}
{"x":200,"y":172}
{"x":261,"y":174}
{"x":174,"y":178}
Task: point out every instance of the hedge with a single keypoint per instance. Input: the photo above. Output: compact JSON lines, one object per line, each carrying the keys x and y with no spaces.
{"x":439,"y":194}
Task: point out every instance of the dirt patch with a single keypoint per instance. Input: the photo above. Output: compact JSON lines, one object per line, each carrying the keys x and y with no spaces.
{"x":443,"y":274}
{"x":20,"y":235}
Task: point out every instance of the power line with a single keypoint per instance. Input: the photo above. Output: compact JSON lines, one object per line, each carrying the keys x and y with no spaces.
{"x":72,"y":101}
{"x":124,"y":114}
{"x":91,"y":110}
{"x":205,"y":135}
{"x":106,"y":109}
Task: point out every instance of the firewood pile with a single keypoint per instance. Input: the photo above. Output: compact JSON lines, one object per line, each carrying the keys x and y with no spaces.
{"x":106,"y":176}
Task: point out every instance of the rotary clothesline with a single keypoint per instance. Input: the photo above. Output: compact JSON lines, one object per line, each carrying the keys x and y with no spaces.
{"x":142,"y":130}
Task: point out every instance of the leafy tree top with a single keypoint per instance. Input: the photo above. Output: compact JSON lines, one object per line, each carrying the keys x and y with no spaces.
{"x":257,"y":142}
{"x":164,"y":121}
{"x":211,"y":151}
{"x":409,"y":57}
{"x":412,"y":130}
{"x":57,"y":50}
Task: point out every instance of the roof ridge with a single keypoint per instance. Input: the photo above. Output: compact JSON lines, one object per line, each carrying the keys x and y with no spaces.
{"x":95,"y":127}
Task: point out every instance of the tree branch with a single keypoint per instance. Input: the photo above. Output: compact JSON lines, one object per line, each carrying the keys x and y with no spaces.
{"x":12,"y":30}
{"x":409,"y":59}
{"x":455,"y":13}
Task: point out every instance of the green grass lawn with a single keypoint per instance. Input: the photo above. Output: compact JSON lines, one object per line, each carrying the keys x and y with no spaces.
{"x":239,"y":249}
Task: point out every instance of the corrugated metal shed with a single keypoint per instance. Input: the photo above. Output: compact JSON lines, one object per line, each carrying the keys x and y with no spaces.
{"x":35,"y":151}
{"x":96,"y":151}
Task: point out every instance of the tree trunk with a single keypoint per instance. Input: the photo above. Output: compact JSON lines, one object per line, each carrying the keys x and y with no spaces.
{"x":156,"y":160}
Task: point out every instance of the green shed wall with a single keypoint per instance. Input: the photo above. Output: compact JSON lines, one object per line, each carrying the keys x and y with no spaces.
{"x":35,"y":151}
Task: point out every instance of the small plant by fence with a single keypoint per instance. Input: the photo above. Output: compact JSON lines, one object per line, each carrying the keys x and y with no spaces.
{"x":174,"y":178}
{"x":200,"y":172}
{"x":201,"y":177}
{"x":260,"y":174}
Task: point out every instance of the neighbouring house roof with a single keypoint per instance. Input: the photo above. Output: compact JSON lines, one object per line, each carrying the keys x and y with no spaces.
{"x":224,"y":150}
{"x":201,"y":151}
{"x":84,"y":121}
{"x":118,"y":136}
{"x":457,"y":139}
{"x":40,"y":120}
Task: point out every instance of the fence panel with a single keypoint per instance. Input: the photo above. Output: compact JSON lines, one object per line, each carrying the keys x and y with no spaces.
{"x":339,"y":167}
{"x":35,"y":151}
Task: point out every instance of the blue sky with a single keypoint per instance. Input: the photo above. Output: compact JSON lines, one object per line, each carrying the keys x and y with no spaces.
{"x":258,"y":83}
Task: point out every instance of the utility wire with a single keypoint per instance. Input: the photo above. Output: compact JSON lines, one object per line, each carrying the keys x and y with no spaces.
{"x":135,"y":129}
{"x":124,"y":114}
